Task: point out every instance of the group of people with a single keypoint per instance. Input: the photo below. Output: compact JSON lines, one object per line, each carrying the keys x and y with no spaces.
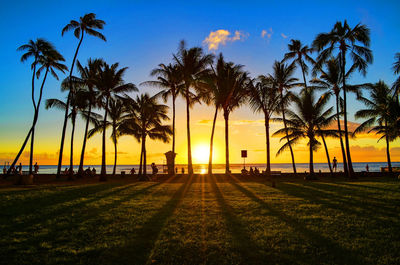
{"x":88,"y":172}
{"x":251,"y":172}
{"x":18,"y":169}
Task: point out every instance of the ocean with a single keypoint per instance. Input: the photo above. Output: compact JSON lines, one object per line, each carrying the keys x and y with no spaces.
{"x":235,"y":168}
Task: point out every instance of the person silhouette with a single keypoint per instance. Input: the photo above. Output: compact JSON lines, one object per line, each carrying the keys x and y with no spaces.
{"x":334,"y":163}
{"x":36,"y":166}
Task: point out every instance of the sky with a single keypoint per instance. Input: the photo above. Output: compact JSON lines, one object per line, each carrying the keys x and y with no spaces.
{"x":142,"y":34}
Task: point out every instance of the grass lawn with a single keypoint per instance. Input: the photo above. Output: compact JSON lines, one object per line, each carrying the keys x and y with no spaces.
{"x":203,"y":220}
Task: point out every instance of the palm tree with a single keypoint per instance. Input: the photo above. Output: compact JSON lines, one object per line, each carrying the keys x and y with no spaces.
{"x":234,"y":86}
{"x":168,"y":79}
{"x":110,"y":82}
{"x":86,"y":24}
{"x":75,"y":105}
{"x":88,"y":76}
{"x":347,"y":41}
{"x":283,"y":81}
{"x":396,"y":70}
{"x":192,"y":64}
{"x":265,"y":98}
{"x":379,"y":114}
{"x":298,"y":53}
{"x":144,"y":118}
{"x":116,"y":112}
{"x":305,"y":121}
{"x":49,"y":59}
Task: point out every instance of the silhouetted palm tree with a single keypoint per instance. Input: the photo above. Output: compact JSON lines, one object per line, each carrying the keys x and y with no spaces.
{"x":305,"y":121}
{"x":379,"y":114}
{"x":144,"y":118}
{"x":234,"y":86}
{"x":283,"y":80}
{"x":346,"y":40}
{"x":169,"y":79}
{"x":87,"y":24}
{"x":116,"y":112}
{"x":299,"y":53}
{"x":396,"y":71}
{"x":265,"y":98}
{"x":88,"y":76}
{"x":192,"y":64}
{"x":49,"y":59}
{"x":110,"y":82}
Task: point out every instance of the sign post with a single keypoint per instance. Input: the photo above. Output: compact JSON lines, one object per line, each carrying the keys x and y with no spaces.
{"x":244,"y":155}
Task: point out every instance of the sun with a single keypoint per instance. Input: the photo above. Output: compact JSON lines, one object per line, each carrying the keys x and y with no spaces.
{"x":201,"y":154}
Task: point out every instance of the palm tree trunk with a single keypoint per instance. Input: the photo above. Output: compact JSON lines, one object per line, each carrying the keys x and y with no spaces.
{"x":226,"y":117}
{"x":388,"y":149}
{"x":212,"y":142}
{"x":268,"y":144}
{"x":311,"y":158}
{"x":173,"y":130}
{"x":346,"y":171}
{"x":346,"y":132}
{"x":80,"y":170}
{"x":103,"y":176}
{"x":287,"y":135}
{"x":304,"y":75}
{"x":190,"y":165}
{"x":326,"y":151}
{"x":71,"y":158}
{"x":66,"y":110}
{"x":115,"y":151}
{"x":144,"y":157}
{"x":141,"y":158}
{"x":35,"y":108}
{"x":19,"y":153}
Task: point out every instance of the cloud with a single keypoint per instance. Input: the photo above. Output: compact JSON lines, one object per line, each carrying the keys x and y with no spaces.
{"x":232,"y":122}
{"x":284,"y":36}
{"x":221,"y":37}
{"x":267,"y":33}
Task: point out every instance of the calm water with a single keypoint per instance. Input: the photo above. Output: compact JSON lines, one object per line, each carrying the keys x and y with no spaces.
{"x":235,"y":168}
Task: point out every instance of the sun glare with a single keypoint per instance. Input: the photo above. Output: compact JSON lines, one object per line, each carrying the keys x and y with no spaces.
{"x":201,"y":154}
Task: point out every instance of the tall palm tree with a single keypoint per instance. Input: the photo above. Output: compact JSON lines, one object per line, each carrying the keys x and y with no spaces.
{"x":116,"y":112}
{"x":265,"y":98}
{"x":299,"y":53}
{"x":110,"y":82}
{"x":283,"y":80}
{"x":234,"y":88}
{"x":169,"y":79}
{"x":88,"y":76}
{"x":346,"y":41}
{"x":308,"y":117}
{"x":379,"y":114}
{"x":144,"y":119}
{"x":193,"y":66}
{"x":87,"y":24}
{"x":50,"y":60}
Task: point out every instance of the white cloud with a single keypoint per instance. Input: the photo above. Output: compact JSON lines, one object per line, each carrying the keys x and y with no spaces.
{"x":221,"y":37}
{"x":267,"y":33}
{"x":284,"y":36}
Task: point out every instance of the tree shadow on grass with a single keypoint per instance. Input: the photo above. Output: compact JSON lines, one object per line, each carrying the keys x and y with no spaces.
{"x":138,"y":250}
{"x":369,"y":187}
{"x":336,"y":253}
{"x":243,"y":244}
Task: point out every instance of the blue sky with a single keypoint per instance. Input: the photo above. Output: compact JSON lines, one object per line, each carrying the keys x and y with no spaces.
{"x":142,"y":34}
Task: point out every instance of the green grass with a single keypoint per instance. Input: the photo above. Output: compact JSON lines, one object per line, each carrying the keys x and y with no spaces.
{"x":203,"y":220}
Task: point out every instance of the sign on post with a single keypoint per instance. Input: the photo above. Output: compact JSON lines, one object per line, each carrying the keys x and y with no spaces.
{"x":244,"y":153}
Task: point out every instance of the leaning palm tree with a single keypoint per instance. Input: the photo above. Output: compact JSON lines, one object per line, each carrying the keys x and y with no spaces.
{"x":170,"y":81}
{"x":299,"y":53}
{"x":308,"y":117}
{"x":379,"y":113}
{"x":193,"y":65}
{"x":144,"y":119}
{"x":87,"y":24}
{"x":88,"y":76}
{"x":283,"y":80}
{"x":234,"y":86}
{"x":49,"y":60}
{"x":346,"y":41}
{"x":110,"y":82}
{"x":265,"y":98}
